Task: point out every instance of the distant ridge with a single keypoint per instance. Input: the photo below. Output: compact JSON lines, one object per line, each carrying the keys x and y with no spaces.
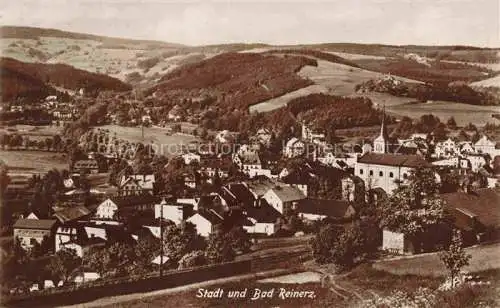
{"x":19,"y":32}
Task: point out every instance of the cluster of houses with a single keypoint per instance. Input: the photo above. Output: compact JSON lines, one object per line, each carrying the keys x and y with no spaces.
{"x":262,"y":202}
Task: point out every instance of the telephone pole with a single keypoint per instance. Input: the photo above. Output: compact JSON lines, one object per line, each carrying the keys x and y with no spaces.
{"x":161,"y":239}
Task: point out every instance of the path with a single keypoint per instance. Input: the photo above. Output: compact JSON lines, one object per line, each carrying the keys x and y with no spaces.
{"x":190,"y":287}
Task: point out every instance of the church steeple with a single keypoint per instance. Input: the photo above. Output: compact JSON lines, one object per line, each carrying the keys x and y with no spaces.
{"x":383,"y":129}
{"x":381,"y":142}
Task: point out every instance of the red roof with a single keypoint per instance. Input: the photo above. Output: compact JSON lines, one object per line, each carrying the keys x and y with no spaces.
{"x":400,"y":160}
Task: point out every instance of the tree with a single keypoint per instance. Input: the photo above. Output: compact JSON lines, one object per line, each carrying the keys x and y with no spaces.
{"x":4,"y":177}
{"x":239,"y":239}
{"x":455,"y":257}
{"x":63,"y":265}
{"x":324,"y":242}
{"x":415,"y":208}
{"x":192,"y":259}
{"x":180,"y":240}
{"x":451,"y":123}
{"x":346,"y":246}
{"x":219,"y":249}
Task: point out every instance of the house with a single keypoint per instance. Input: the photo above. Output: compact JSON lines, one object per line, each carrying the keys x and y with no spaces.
{"x":190,"y":180}
{"x":146,"y":119}
{"x":70,"y":214}
{"x":138,"y":184}
{"x":263,"y":136}
{"x":260,"y":185}
{"x":175,"y":114}
{"x":29,"y":231}
{"x":282,"y":198}
{"x":477,"y":161}
{"x":174,"y":211}
{"x":476,"y":213}
{"x":353,"y":189}
{"x":486,"y":146}
{"x":446,"y":149}
{"x":315,"y":209}
{"x":86,"y":166}
{"x":294,"y":148}
{"x":249,"y":162}
{"x":225,"y":136}
{"x":211,"y":168}
{"x":312,"y":136}
{"x":69,"y":183}
{"x":466,"y":147}
{"x":110,"y":208}
{"x":396,"y":243}
{"x":205,"y":221}
{"x":214,"y":201}
{"x":73,"y":236}
{"x":263,"y":218}
{"x":387,"y":171}
{"x":191,"y":157}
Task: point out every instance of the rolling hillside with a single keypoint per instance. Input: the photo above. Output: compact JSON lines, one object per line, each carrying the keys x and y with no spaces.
{"x":36,"y":80}
{"x":236,"y":80}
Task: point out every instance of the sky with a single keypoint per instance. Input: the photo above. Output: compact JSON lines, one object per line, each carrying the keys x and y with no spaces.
{"x":419,"y":22}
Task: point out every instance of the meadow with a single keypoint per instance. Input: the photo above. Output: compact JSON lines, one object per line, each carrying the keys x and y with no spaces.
{"x":26,"y":163}
{"x":171,"y":144}
{"x":484,"y":258}
{"x":463,"y":113}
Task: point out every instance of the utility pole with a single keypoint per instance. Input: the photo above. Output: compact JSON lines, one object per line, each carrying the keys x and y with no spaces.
{"x":161,"y":239}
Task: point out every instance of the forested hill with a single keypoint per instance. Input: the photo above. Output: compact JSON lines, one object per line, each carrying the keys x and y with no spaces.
{"x":36,"y":80}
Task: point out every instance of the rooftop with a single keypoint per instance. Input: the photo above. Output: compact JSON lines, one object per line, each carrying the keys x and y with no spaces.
{"x":330,"y":208}
{"x":484,"y":203}
{"x":400,"y":160}
{"x":41,"y":224}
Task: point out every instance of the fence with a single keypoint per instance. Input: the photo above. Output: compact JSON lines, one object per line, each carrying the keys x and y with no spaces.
{"x":120,"y":286}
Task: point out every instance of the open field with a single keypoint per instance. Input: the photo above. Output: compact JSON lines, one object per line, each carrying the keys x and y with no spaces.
{"x":171,"y":144}
{"x":484,"y":257}
{"x":32,"y":131}
{"x":340,"y":79}
{"x":283,"y":100}
{"x":335,"y":79}
{"x":463,"y":113}
{"x":490,"y":82}
{"x":32,"y":162}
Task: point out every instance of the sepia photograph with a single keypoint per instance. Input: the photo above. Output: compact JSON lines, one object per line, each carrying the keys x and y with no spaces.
{"x":250,"y":153}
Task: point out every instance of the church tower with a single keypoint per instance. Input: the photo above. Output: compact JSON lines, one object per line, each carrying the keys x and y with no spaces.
{"x":381,"y":143}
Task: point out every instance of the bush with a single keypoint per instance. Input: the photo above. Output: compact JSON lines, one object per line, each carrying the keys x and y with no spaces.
{"x":148,"y":63}
{"x":192,"y":259}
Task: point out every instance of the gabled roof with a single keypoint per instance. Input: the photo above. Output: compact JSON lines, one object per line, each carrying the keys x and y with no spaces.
{"x":330,"y":208}
{"x":288,"y":193}
{"x":71,"y":213}
{"x":484,"y":203}
{"x":125,"y":201}
{"x":263,"y":213}
{"x":145,"y":181}
{"x":211,"y":216}
{"x":41,"y":224}
{"x":241,"y":192}
{"x":399,"y":160}
{"x":260,"y":185}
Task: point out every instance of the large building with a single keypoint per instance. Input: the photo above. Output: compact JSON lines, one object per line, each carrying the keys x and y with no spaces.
{"x":387,"y":171}
{"x":380,"y":169}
